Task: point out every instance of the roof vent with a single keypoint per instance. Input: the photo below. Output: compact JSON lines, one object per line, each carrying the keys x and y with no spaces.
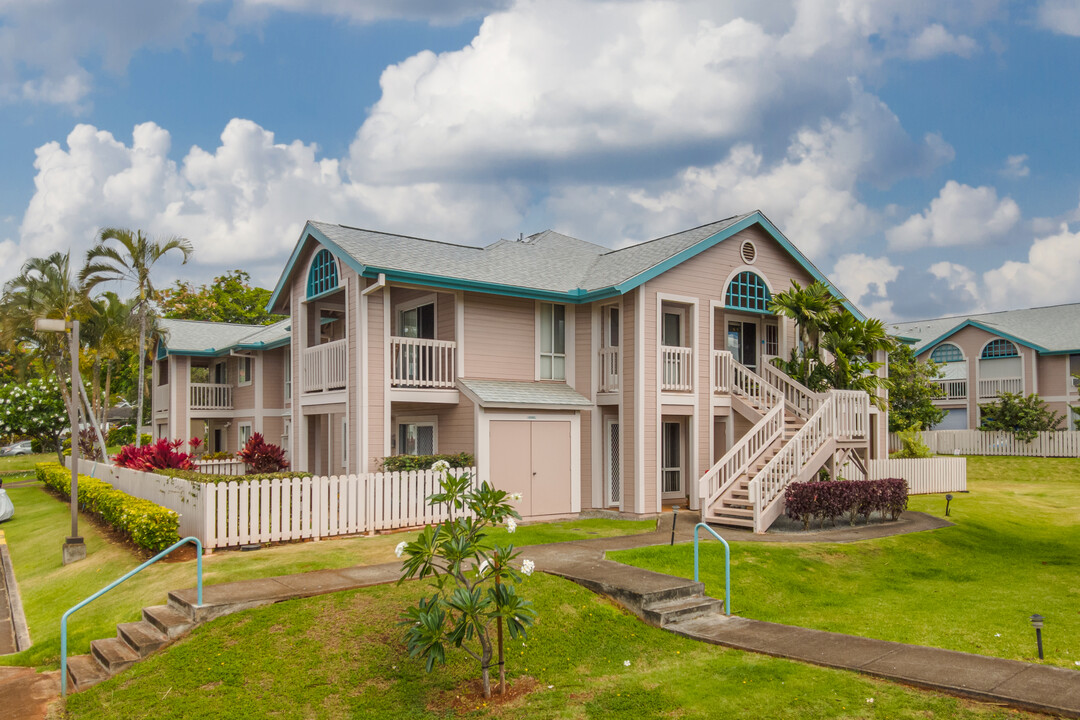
{"x":749,"y":252}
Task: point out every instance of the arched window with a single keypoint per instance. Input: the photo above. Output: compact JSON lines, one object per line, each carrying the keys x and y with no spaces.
{"x":946,"y":353}
{"x":747,"y":291}
{"x":322,"y":277}
{"x":999,"y":349}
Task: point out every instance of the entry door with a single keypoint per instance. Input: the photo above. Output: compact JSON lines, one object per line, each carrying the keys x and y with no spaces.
{"x":672,"y":468}
{"x":612,"y":476}
{"x":742,"y":342}
{"x":419,"y":322}
{"x":533,"y":458}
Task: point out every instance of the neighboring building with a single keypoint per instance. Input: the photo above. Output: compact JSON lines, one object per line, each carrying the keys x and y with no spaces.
{"x":1036,"y":350}
{"x":585,"y":377}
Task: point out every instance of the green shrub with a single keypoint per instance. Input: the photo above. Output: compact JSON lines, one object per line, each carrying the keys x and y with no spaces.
{"x":195,"y":476}
{"x":221,"y":455}
{"x":912,"y":445}
{"x":407,"y":463}
{"x":148,"y":524}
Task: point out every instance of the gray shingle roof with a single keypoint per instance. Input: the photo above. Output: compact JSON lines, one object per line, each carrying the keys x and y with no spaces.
{"x":545,"y":261}
{"x":197,"y":336}
{"x":1054,"y":329}
{"x":509,"y":393}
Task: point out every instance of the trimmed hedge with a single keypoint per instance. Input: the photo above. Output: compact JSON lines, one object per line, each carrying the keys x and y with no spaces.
{"x":832,"y":499}
{"x":195,"y":476}
{"x":408,"y":463}
{"x":148,"y":524}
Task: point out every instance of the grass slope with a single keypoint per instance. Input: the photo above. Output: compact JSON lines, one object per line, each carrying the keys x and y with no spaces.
{"x":1015,"y":551}
{"x":48,"y":589}
{"x":341,"y":656}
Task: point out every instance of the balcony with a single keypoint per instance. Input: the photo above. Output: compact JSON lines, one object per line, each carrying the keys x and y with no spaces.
{"x":421,"y":363}
{"x":161,"y":397}
{"x":211,"y":396}
{"x":609,"y":369}
{"x":721,"y":375}
{"x":676,"y":369}
{"x":954,"y":389}
{"x":991,"y":388}
{"x":325,"y":367}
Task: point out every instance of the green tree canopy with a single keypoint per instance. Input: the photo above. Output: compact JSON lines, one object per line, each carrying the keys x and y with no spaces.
{"x":34,"y":409}
{"x":1023,"y":416}
{"x":229,"y":298}
{"x":911,"y":398}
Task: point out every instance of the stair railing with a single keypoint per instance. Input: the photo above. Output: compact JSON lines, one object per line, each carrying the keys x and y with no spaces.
{"x":114,"y":583}
{"x":803,"y":401}
{"x":727,"y":563}
{"x":764,"y":433}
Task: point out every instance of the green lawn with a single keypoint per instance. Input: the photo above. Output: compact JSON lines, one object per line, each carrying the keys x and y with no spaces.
{"x":42,"y":521}
{"x":1015,"y":551}
{"x":341,"y":656}
{"x":23,"y":463}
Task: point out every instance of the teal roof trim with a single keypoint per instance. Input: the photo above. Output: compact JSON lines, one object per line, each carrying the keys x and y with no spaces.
{"x":985,"y":328}
{"x":313,"y":232}
{"x":577,"y":296}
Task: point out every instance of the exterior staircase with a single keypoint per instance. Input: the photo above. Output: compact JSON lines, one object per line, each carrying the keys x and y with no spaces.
{"x":796,"y":432}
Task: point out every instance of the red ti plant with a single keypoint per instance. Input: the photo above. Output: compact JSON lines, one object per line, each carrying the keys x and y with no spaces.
{"x":263,"y":457}
{"x":195,"y":443}
{"x":156,"y":456}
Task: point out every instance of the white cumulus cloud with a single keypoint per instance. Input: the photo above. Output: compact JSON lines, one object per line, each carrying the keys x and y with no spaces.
{"x":1050,"y":275}
{"x":959,"y":215}
{"x":1059,"y":16}
{"x":864,"y":280}
{"x":1016,"y":167}
{"x":935,"y":40}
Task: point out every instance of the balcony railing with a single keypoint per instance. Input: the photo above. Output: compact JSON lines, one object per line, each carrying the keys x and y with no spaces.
{"x":721,"y":376}
{"x":676,"y":368}
{"x":954,"y":389}
{"x":161,"y":397}
{"x":422,"y":363}
{"x":326,"y":366}
{"x":211,"y":396}
{"x":991,"y":388}
{"x":609,"y":369}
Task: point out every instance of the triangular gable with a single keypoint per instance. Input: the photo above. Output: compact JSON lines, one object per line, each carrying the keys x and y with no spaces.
{"x":985,"y":328}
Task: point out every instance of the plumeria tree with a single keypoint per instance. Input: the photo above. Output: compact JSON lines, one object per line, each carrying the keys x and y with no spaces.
{"x":35,"y":409}
{"x":475,"y":599}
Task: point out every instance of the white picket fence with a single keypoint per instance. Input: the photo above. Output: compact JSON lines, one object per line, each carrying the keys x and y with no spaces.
{"x":228,"y":466}
{"x":245,"y":512}
{"x":1062,"y":443}
{"x":924,"y":475}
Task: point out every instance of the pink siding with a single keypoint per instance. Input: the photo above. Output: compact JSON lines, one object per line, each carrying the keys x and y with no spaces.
{"x":273,"y":379}
{"x":456,"y":424}
{"x":500,"y":337}
{"x":376,"y":412}
{"x":627,"y":435}
{"x":583,"y":383}
{"x":353,"y":283}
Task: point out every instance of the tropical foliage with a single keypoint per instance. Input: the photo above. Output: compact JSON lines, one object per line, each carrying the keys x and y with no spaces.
{"x":912,"y":444}
{"x":261,"y":456}
{"x":229,"y":298}
{"x":162,"y":454}
{"x":911,"y":397}
{"x":1023,"y":416}
{"x":473,"y":579}
{"x":34,"y":409}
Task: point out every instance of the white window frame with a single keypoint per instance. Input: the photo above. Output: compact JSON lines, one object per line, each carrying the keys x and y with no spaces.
{"x":568,"y":343}
{"x":681,"y":313}
{"x":431,"y":421}
{"x":224,"y":373}
{"x":286,"y":434}
{"x":404,"y":307}
{"x":245,"y":370}
{"x":288,"y":377}
{"x":240,"y":439}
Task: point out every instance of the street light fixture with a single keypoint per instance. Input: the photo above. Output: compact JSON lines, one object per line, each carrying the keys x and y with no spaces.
{"x":1037,"y":623}
{"x":74,"y":549}
{"x":948,"y":499}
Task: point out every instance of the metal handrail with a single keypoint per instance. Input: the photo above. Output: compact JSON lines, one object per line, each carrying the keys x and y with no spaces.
{"x":727,"y":564}
{"x":114,"y":583}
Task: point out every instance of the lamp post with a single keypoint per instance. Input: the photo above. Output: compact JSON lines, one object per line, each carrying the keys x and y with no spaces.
{"x":1037,"y":623}
{"x":948,"y":499}
{"x":674,"y":519}
{"x":74,"y":549}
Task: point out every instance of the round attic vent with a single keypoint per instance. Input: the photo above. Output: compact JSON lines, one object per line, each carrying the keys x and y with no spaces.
{"x":749,"y":252}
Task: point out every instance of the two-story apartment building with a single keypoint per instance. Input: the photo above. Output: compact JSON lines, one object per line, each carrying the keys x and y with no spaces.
{"x":1034,"y":350}
{"x":584,"y":377}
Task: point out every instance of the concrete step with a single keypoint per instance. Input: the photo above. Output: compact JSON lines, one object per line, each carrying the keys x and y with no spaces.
{"x":84,"y":671}
{"x":167,"y":620}
{"x":114,"y":654}
{"x":143,"y":637}
{"x":675,"y":592}
{"x":712,"y":519}
{"x":665,"y":613}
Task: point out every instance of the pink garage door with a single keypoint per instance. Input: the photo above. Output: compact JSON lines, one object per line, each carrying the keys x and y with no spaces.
{"x":532,"y":457}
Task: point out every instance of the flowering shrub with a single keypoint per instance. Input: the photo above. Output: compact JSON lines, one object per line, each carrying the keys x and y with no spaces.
{"x":161,"y":454}
{"x":34,"y":409}
{"x":148,"y":524}
{"x":831,"y":500}
{"x":408,"y":463}
{"x":261,"y":456}
{"x":474,"y":580}
{"x":209,"y":479}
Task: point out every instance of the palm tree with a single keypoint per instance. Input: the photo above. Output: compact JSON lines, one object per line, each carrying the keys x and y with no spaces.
{"x":131,"y":257}
{"x":851,"y":344}
{"x":108,"y":333}
{"x":811,"y":308}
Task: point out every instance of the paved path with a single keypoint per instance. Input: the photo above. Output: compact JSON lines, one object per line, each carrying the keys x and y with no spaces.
{"x":26,"y":694}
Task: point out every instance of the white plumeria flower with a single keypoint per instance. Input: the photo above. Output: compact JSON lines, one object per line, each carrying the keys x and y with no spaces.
{"x":482,"y":568}
{"x":626,"y":663}
{"x":441,"y":466}
{"x":997,"y":634}
{"x":870,"y":700}
{"x":516,"y":497}
{"x":511,"y":525}
{"x":527,"y":567}
{"x":400,"y":549}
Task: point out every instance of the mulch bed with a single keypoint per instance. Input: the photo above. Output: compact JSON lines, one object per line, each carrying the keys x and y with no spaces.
{"x":469,"y":696}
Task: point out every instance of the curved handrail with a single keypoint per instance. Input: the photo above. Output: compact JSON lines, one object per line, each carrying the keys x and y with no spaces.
{"x":114,"y":583}
{"x":727,"y":564}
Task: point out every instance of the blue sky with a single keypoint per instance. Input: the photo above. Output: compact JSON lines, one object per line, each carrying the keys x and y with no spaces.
{"x":923,"y":154}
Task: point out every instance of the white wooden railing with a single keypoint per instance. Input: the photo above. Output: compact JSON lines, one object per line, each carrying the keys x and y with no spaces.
{"x":1061,"y":443}
{"x":993,"y":387}
{"x":721,"y":371}
{"x":677,"y":367}
{"x":225,"y":466}
{"x":211,"y":396}
{"x":953,"y":389}
{"x":422,"y":363}
{"x":325,"y":366}
{"x":745,"y":381}
{"x":609,"y":369}
{"x":161,"y":397}
{"x":803,"y":401}
{"x":852,"y":408}
{"x":924,"y":475}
